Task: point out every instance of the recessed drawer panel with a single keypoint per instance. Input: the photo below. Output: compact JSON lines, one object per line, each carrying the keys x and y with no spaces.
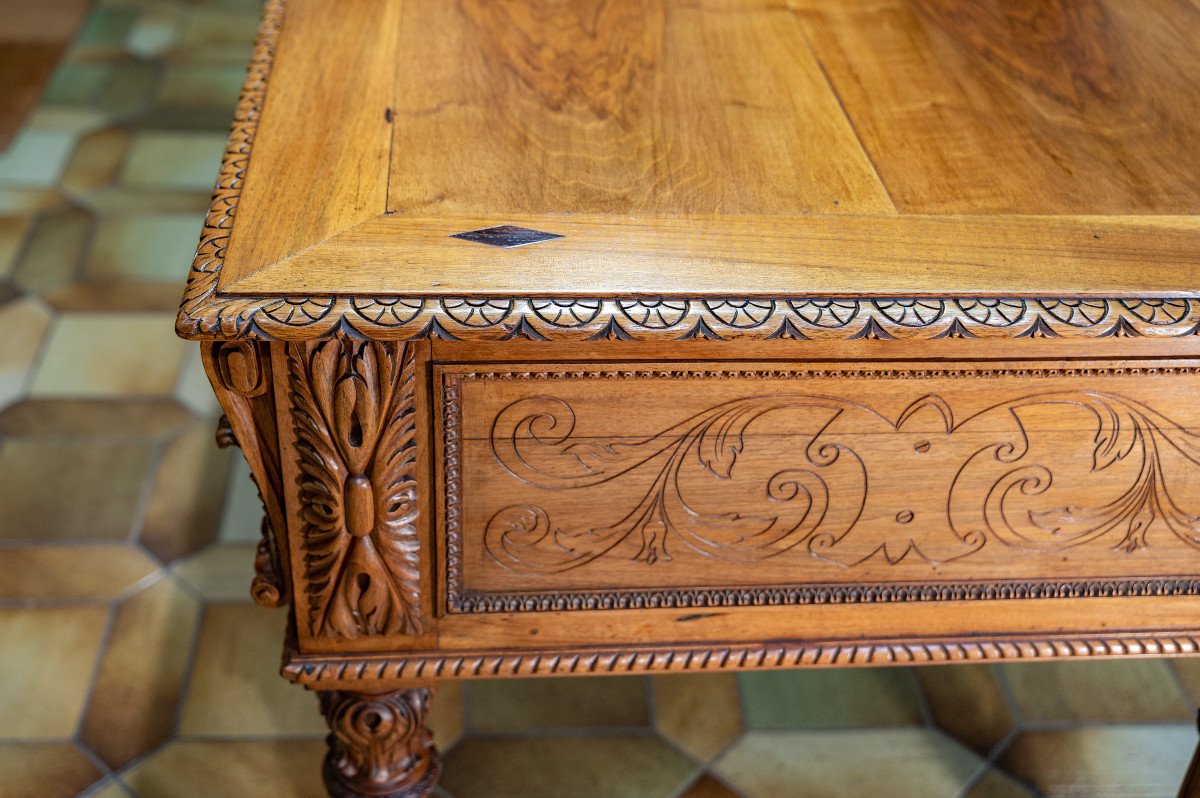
{"x":715,"y":484}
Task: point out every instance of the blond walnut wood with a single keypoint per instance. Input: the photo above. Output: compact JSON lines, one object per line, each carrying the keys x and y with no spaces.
{"x":867,"y":334}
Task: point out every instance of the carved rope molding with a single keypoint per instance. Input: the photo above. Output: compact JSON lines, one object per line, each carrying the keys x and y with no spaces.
{"x":316,"y":670}
{"x":354,"y":417}
{"x":523,"y":538}
{"x":207,"y":314}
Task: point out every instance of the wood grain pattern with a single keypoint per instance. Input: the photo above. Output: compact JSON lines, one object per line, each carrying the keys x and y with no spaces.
{"x":310,"y":181}
{"x":1019,"y":106}
{"x":619,"y":106}
{"x":708,"y":257}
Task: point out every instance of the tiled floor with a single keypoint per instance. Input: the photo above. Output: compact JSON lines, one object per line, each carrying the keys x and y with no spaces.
{"x":131,"y":661}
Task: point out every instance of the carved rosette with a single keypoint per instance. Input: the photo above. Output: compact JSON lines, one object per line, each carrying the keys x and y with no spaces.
{"x":240,"y":372}
{"x":355,"y":426}
{"x":379,"y":745}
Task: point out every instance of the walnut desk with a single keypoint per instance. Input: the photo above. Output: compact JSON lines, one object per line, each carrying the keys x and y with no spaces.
{"x":633,"y":336}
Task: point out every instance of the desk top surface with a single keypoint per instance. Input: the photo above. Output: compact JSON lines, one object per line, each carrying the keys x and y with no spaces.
{"x":714,"y":148}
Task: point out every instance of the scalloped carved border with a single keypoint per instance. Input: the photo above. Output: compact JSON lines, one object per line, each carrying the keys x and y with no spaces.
{"x":460,"y":600}
{"x":206,"y":314}
{"x":318,"y":671}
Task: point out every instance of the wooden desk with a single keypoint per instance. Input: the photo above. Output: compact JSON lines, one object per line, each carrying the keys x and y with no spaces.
{"x":613,"y":336}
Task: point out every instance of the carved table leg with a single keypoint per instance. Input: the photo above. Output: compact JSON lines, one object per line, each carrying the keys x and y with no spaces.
{"x":1191,"y":782}
{"x":379,"y":746}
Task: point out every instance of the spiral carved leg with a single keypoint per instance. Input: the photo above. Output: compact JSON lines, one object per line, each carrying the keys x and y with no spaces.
{"x":379,"y":746}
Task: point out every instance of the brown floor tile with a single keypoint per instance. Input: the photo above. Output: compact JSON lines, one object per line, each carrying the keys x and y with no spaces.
{"x":1188,"y":670}
{"x":46,"y":660}
{"x":1143,"y":761}
{"x":188,"y":86}
{"x":44,"y":770}
{"x":13,"y":230}
{"x":1124,"y":691}
{"x":53,"y":253}
{"x":142,"y":670}
{"x":822,"y":699}
{"x":71,"y":572}
{"x":102,"y":418}
{"x":111,"y":297}
{"x":708,"y":787}
{"x":97,"y":160}
{"x":701,"y":713}
{"x":833,"y":764}
{"x":968,"y":702}
{"x":998,"y":784}
{"x":636,"y":766}
{"x":507,"y":705}
{"x":216,"y":34}
{"x":63,"y":489}
{"x":99,"y":354}
{"x":448,"y":714}
{"x":236,"y":688}
{"x":200,"y":769}
{"x":221,"y":573}
{"x":184,"y":511}
{"x":23,"y":326}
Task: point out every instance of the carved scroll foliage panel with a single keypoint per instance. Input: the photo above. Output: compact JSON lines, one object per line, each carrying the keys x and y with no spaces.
{"x":602,"y":487}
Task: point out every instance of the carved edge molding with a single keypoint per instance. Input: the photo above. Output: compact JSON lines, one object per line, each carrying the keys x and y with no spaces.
{"x":206,"y":314}
{"x":316,"y":670}
{"x":461,"y":601}
{"x":355,"y":423}
{"x":240,"y":373}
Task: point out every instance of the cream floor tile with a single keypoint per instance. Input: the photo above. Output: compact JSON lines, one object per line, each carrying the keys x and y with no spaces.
{"x":902,"y":763}
{"x":54,"y":250}
{"x":222,"y":572}
{"x":36,"y":157}
{"x":138,"y":686}
{"x":13,"y":230}
{"x":126,"y":296}
{"x":56,"y":489}
{"x":1188,"y":670}
{"x":71,"y":572}
{"x":1104,"y":761}
{"x":830,"y":698}
{"x":111,"y":788}
{"x":194,"y":390}
{"x":97,"y":160}
{"x":1121,"y":691}
{"x":93,"y":354}
{"x":176,"y":160}
{"x":968,"y":702}
{"x":44,"y":770}
{"x":216,"y":35}
{"x":506,"y":705}
{"x":701,"y":713}
{"x":155,"y":31}
{"x":23,"y":326}
{"x":243,"y":512}
{"x":94,"y":418}
{"x":635,"y":766}
{"x":46,"y":660}
{"x":184,"y":510}
{"x":144,"y":247}
{"x":201,"y":769}
{"x":236,"y":688}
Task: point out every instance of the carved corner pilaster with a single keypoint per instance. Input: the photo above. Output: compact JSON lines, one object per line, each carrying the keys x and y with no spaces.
{"x":355,"y":423}
{"x":379,"y":745}
{"x":240,"y":373}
